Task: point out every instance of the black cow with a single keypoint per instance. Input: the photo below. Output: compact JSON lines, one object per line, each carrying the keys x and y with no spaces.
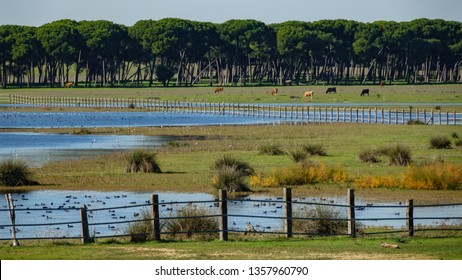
{"x":365,"y":91}
{"x":331,"y":89}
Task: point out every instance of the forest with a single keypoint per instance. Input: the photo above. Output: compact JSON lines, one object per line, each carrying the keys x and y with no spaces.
{"x":179,"y":52}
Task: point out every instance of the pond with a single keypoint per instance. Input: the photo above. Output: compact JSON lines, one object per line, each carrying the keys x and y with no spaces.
{"x":118,"y":119}
{"x":109,"y":213}
{"x":39,"y":148}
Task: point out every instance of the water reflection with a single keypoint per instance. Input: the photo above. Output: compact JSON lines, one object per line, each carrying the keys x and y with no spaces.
{"x":39,"y":148}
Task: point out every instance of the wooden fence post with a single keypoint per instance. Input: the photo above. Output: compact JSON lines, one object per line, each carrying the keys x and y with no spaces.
{"x":85,"y":231}
{"x":410,"y":217}
{"x":223,"y":224}
{"x":288,"y":211}
{"x":351,"y":213}
{"x":155,"y":217}
{"x":10,"y":203}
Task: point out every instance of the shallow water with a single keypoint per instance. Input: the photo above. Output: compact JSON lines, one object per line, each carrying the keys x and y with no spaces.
{"x":39,"y":148}
{"x":59,"y":209}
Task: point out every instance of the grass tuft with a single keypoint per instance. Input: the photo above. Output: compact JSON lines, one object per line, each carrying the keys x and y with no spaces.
{"x":15,"y":173}
{"x":142,"y":161}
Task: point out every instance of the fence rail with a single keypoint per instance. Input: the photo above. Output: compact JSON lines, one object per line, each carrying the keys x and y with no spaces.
{"x":292,"y":113}
{"x":288,"y":207}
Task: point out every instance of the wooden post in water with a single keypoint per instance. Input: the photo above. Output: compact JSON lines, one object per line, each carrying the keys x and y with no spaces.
{"x":351,"y":213}
{"x":155,"y":223}
{"x":10,"y":203}
{"x":288,"y":211}
{"x":85,"y":231}
{"x":410,"y":217}
{"x":223,"y":223}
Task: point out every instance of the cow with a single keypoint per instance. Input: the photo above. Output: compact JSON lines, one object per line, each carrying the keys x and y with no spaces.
{"x":382,"y":84}
{"x":274,"y":91}
{"x":331,"y":90}
{"x":219,"y":89}
{"x":68,"y":85}
{"x":365,"y":91}
{"x":309,"y":94}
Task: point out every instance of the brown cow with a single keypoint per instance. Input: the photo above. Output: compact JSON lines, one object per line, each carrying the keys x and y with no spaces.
{"x":309,"y":94}
{"x":274,"y":91}
{"x":219,"y":89}
{"x":68,"y":85}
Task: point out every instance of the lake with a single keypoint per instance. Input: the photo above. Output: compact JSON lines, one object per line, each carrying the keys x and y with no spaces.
{"x":109,"y":212}
{"x":39,"y":148}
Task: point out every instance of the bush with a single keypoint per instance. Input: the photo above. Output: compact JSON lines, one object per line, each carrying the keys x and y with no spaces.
{"x":314,"y":149}
{"x":300,"y":174}
{"x":415,"y":122}
{"x":142,"y":161}
{"x":190,"y":221}
{"x":322,"y":220}
{"x":270,"y":150}
{"x":15,"y":173}
{"x":440,"y":142}
{"x":141,"y":230}
{"x":434,"y":177}
{"x":368,"y":155}
{"x":298,"y":155}
{"x":232,"y":162}
{"x":230,"y":174}
{"x":397,"y":154}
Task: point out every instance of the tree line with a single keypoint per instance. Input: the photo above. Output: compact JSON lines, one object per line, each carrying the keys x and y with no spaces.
{"x":236,"y":52}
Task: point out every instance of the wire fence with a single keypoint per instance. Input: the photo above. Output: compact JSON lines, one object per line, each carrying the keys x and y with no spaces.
{"x":282,"y":216}
{"x":289,"y":113}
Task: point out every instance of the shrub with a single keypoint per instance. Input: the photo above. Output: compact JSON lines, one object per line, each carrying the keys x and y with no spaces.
{"x":440,"y":142}
{"x":300,"y":174}
{"x":15,"y":173}
{"x":271,"y":150}
{"x":434,"y":177}
{"x":298,"y":155}
{"x":458,"y":143}
{"x":397,"y":154}
{"x":191,"y":221}
{"x":368,"y":155}
{"x":314,"y":149}
{"x":142,"y":161}
{"x":141,"y":230}
{"x":230,"y":179}
{"x":455,"y":135}
{"x":322,"y":220}
{"x":232,"y":162}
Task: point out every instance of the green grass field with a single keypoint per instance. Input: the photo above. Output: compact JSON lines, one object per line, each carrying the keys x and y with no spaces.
{"x":331,"y":248}
{"x":426,"y":94}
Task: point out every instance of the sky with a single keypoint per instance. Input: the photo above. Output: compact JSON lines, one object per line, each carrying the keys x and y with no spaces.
{"x":128,"y":12}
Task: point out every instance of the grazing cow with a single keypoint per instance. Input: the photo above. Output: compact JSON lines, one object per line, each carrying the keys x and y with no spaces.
{"x":274,"y":91}
{"x":365,"y":91}
{"x":219,"y":89}
{"x":68,"y":85}
{"x":309,"y":94}
{"x":382,"y":84}
{"x":331,"y":90}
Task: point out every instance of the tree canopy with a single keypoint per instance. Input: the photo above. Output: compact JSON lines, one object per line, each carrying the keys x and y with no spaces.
{"x":103,"y":53}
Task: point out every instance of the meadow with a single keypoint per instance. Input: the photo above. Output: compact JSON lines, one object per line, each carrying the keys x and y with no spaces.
{"x":391,"y":95}
{"x":186,"y":167}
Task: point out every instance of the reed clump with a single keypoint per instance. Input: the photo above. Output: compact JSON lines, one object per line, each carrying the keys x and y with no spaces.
{"x":191,"y":222}
{"x":321,"y":220}
{"x":141,"y":161}
{"x":230,"y":173}
{"x":15,"y":173}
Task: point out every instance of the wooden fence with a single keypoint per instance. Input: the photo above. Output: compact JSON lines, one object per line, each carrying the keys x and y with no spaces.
{"x":287,"y":113}
{"x":288,"y":206}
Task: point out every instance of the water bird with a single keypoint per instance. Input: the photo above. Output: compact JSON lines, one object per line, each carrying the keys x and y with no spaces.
{"x":70,"y":226}
{"x":111,"y":227}
{"x":136,"y":214}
